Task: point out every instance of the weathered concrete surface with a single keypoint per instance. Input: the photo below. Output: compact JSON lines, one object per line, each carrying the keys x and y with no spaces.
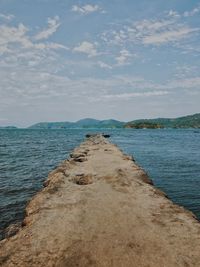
{"x":98,"y":209}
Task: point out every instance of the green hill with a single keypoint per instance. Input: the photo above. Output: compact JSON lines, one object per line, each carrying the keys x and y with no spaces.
{"x":191,"y":121}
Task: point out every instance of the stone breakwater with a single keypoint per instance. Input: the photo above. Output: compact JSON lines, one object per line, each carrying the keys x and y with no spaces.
{"x":100,"y":209}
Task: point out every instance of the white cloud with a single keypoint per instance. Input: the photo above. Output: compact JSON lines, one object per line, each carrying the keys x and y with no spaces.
{"x":193,"y":12}
{"x":114,"y":37}
{"x":123,"y":58}
{"x":53,"y":24}
{"x":128,"y":96}
{"x":46,"y":85}
{"x":104,"y":65}
{"x":43,"y":46}
{"x":187,"y":83}
{"x":174,"y":14}
{"x":186,"y":14}
{"x":15,"y":38}
{"x":86,"y":48}
{"x":185,"y":70}
{"x":13,"y":35}
{"x":150,"y":32}
{"x":7,"y":17}
{"x":153,"y":25}
{"x":48,"y":88}
{"x":169,"y":36}
{"x":86,"y":9}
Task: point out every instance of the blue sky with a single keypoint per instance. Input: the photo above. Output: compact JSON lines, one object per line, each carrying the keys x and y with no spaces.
{"x":66,"y":60}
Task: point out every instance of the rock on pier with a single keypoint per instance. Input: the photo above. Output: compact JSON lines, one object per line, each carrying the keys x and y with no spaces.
{"x":99,"y":208}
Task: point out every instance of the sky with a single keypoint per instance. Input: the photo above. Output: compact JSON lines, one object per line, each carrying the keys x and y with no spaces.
{"x":64,"y":60}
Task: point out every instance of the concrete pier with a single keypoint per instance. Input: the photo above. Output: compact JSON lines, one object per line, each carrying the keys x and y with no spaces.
{"x":99,"y":208}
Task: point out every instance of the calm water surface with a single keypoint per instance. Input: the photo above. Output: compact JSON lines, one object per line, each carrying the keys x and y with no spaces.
{"x":171,"y":158}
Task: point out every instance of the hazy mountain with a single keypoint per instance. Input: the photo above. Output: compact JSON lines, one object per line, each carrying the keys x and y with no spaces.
{"x":84,"y":123}
{"x":52,"y":125}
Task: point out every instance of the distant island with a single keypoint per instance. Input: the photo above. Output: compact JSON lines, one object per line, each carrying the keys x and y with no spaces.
{"x":191,"y":121}
{"x":8,"y":127}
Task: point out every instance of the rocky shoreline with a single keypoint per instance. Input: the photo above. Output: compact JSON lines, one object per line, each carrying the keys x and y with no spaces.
{"x":99,"y":208}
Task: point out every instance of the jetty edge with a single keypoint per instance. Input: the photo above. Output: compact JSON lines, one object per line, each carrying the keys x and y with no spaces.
{"x":99,"y":208}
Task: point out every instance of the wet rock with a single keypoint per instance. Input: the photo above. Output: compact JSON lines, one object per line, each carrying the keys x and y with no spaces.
{"x":12,"y":229}
{"x":94,"y":135}
{"x":80,"y":159}
{"x":82,"y":179}
{"x":145,"y":178}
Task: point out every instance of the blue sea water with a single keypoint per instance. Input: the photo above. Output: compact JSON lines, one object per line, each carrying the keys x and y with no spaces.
{"x":170,"y":157}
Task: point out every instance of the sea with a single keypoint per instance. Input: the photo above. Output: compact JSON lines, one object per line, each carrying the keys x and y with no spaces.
{"x":170,"y":157}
